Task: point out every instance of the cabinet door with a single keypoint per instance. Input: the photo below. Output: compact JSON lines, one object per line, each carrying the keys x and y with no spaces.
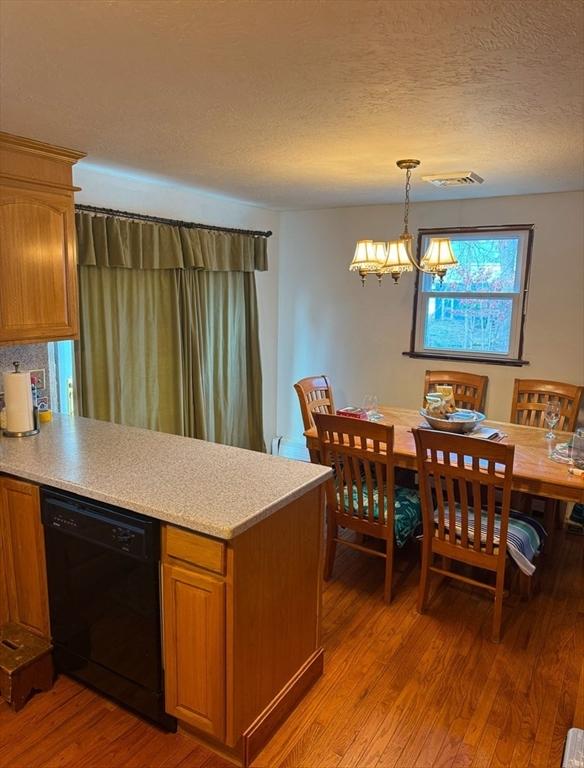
{"x":4,"y":608}
{"x":23,"y":573}
{"x":38,"y":290}
{"x":194,"y":648}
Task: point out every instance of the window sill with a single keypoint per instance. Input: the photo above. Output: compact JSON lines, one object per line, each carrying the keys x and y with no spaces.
{"x":514,"y":362}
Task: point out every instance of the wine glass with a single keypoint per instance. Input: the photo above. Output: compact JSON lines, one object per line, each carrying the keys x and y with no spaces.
{"x":370,"y":403}
{"x":367,"y":404}
{"x":577,"y":453}
{"x":552,"y":416}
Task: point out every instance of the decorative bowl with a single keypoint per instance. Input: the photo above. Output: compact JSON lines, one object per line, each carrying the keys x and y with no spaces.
{"x":461,"y":421}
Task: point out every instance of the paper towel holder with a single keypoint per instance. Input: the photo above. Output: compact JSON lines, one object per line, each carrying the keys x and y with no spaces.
{"x":35,"y":416}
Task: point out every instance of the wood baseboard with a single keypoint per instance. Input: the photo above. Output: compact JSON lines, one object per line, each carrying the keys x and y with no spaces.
{"x":233,"y":755}
{"x":265,"y":725}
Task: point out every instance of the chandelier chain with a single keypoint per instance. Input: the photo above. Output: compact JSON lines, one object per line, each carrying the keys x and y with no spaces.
{"x":407,"y":201}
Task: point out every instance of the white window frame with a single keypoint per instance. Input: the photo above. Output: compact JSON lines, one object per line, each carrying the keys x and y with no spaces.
{"x":524,"y":233}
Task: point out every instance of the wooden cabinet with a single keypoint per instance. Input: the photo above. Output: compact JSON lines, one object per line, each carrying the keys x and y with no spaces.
{"x":194,"y":648}
{"x":23,"y":577}
{"x":241,"y":625}
{"x":38,"y":279}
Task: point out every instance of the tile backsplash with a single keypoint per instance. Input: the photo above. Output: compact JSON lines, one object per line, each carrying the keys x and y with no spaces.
{"x":31,"y":357}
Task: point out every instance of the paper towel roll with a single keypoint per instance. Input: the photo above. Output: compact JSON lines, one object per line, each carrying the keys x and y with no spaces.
{"x":18,"y":399}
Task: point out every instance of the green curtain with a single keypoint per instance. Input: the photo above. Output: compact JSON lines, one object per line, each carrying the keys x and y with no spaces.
{"x":106,"y":241}
{"x":130,"y":346}
{"x":221,"y":348}
{"x":169,"y":329}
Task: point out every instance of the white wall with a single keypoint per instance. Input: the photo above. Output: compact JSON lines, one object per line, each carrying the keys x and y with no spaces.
{"x":329,"y":324}
{"x":158,"y":198}
{"x":316,"y":318}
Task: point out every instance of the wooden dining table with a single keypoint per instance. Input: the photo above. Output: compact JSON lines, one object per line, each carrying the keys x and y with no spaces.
{"x":534,"y":472}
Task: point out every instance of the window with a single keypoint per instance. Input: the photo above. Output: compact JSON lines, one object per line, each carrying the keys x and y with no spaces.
{"x":478,"y":311}
{"x":61,"y":366}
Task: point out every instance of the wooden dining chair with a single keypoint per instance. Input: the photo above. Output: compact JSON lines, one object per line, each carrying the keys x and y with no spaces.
{"x":469,"y":389}
{"x":530,"y":399}
{"x":460,"y":480}
{"x":362,"y":495}
{"x":315,"y":395}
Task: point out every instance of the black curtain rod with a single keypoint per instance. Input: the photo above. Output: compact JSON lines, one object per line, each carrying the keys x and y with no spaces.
{"x":169,"y":222}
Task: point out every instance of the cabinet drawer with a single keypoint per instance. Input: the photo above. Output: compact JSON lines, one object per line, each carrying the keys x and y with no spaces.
{"x":193,"y":548}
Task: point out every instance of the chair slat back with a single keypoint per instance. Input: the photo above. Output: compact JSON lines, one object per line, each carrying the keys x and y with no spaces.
{"x":315,"y":395}
{"x":361,"y":455}
{"x":459,"y":477}
{"x":530,"y":399}
{"x":469,"y":389}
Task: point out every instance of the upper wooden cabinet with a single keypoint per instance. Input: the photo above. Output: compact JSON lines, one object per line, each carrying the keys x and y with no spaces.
{"x":38,"y":277}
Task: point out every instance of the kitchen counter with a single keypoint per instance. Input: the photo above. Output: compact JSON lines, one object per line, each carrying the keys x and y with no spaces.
{"x":240,"y":605}
{"x":208,"y":488}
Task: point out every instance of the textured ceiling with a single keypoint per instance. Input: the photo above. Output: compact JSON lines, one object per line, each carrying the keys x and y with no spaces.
{"x":304,"y":104}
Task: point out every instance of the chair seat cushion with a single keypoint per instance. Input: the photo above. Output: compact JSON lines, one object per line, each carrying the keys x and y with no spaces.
{"x":524,"y":535}
{"x":577,"y":515}
{"x":407,"y":511}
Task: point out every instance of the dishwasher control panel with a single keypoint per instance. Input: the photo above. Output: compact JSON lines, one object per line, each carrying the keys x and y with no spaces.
{"x":115,"y":529}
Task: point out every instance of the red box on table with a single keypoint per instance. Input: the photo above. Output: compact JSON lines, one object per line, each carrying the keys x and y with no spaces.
{"x":353,"y":413}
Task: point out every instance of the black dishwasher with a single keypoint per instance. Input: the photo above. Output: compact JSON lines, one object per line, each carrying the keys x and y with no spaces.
{"x":104,"y":597}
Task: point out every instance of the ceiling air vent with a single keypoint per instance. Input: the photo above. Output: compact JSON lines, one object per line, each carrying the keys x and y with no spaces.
{"x":462,"y":179}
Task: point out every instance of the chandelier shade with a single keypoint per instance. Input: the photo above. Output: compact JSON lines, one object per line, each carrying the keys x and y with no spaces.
{"x":398,"y":258}
{"x":439,"y":256}
{"x":369,"y":256}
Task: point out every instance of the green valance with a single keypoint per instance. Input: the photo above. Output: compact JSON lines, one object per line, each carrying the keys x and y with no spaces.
{"x":108,"y":241}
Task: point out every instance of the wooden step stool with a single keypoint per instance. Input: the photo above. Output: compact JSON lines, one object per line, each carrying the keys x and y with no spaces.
{"x":26,"y":664}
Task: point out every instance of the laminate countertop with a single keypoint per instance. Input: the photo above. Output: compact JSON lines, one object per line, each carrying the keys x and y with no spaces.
{"x":208,"y":488}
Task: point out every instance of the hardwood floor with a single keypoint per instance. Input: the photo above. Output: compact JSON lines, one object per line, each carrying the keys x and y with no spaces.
{"x":399,"y":689}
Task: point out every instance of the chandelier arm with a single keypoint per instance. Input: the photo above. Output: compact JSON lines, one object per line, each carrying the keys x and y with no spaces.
{"x":421,"y":269}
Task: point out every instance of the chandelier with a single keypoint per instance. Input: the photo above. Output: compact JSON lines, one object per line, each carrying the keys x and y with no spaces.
{"x":395,"y":257}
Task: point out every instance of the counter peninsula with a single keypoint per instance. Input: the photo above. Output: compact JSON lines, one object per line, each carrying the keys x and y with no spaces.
{"x":241,"y":563}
